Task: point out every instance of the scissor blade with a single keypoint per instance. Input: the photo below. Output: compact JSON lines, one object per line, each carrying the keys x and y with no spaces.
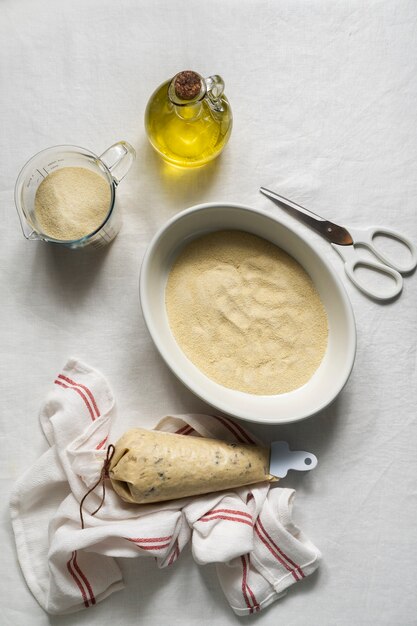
{"x":330,"y":231}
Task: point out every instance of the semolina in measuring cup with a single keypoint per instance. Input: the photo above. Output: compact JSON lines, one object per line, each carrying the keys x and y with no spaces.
{"x":112,"y":166}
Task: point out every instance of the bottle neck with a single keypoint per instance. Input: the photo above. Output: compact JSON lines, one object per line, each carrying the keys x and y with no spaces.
{"x":187,"y":88}
{"x":187,"y":91}
{"x":189,"y":112}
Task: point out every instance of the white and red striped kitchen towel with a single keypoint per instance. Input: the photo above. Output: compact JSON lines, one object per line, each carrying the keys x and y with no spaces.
{"x":248,"y":533}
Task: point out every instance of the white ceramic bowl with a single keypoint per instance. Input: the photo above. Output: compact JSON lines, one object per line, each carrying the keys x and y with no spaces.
{"x":335,"y":368}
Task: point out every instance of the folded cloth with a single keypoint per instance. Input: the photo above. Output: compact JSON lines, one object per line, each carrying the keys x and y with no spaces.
{"x":247,"y":532}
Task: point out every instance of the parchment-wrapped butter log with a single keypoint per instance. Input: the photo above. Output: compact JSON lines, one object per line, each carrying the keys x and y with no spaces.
{"x":154,"y":466}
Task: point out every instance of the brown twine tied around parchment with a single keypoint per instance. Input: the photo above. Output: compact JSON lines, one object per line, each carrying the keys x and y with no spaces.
{"x":103,"y":475}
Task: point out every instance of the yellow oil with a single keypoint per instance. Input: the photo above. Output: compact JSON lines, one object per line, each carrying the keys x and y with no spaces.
{"x":186,"y":136}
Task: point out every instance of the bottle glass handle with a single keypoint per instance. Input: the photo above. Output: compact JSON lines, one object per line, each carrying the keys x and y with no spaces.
{"x":118,"y":159}
{"x":215,"y":89}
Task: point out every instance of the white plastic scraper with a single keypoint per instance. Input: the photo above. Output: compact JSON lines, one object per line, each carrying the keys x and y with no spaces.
{"x":283,"y":459}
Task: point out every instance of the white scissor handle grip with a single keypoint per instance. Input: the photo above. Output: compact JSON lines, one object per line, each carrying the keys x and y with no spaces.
{"x":353,"y":262}
{"x":366,"y":238}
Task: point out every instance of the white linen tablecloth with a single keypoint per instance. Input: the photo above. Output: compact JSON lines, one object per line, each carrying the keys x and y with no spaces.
{"x":324,"y":101}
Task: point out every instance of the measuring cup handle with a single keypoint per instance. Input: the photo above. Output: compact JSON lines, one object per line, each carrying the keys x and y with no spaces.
{"x":118,"y":159}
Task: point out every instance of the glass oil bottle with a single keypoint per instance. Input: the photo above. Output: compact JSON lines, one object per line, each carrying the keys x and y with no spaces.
{"x":188,"y":119}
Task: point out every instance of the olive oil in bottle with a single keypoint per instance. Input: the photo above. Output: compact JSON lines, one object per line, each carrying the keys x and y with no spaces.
{"x":188,"y":119}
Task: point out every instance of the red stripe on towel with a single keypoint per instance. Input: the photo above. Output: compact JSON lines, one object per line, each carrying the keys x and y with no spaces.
{"x":84,"y":578}
{"x":287,"y":558}
{"x":254,"y":600}
{"x":101,"y":444}
{"x":227,"y":518}
{"x":157,"y":543}
{"x":80,"y":393}
{"x":175,"y":554}
{"x":86,"y":389}
{"x":156,"y":547}
{"x":77,"y":581}
{"x":244,"y":584}
{"x":149,"y":539}
{"x":184,"y":430}
{"x":272,"y":551}
{"x":232,"y":511}
{"x":240,"y":428}
{"x":229,"y":426}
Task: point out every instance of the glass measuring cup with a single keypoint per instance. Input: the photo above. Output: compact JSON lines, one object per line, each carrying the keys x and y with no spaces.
{"x":112,"y":165}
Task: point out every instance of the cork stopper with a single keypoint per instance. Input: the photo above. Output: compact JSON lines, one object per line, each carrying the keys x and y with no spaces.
{"x":187,"y":85}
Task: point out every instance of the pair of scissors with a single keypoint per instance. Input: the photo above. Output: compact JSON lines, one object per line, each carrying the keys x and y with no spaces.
{"x":344,"y":242}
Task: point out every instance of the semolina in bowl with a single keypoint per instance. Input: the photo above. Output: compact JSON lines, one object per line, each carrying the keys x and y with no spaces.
{"x":179,"y":301}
